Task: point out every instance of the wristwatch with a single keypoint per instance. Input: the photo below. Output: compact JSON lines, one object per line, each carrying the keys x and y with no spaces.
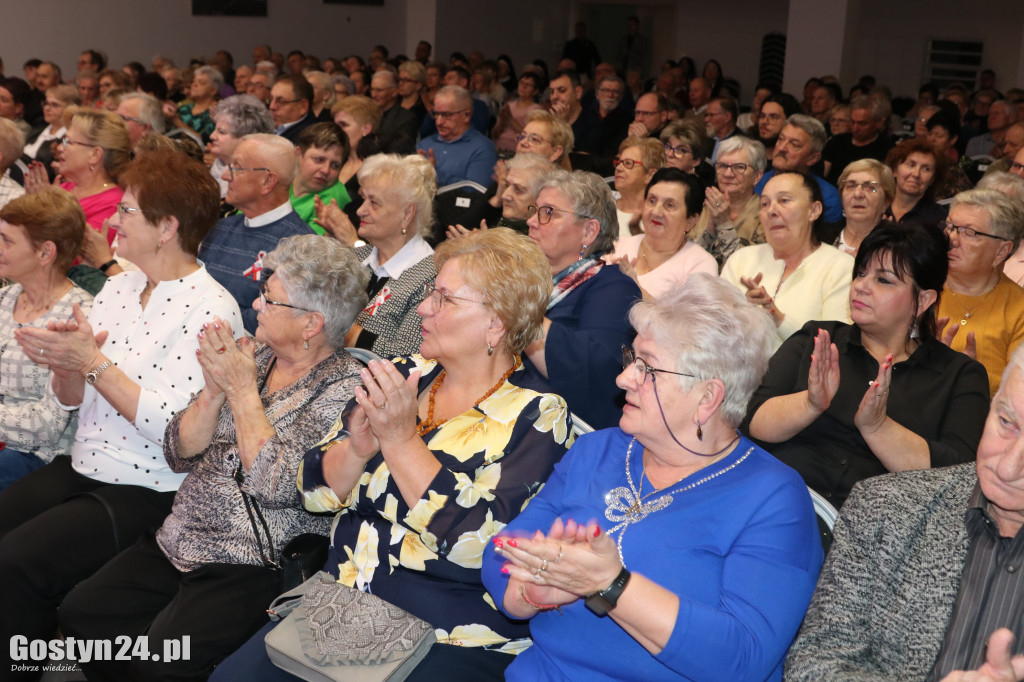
{"x":600,"y":603}
{"x":93,"y":375}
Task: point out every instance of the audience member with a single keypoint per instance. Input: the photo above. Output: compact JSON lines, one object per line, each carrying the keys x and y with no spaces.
{"x":919,"y":170}
{"x":1001,"y":114}
{"x":141,"y":114}
{"x":638,"y":160}
{"x":798,"y":149}
{"x":867,"y":189}
{"x":720,"y":118}
{"x":323,"y":95}
{"x":457,"y":151}
{"x":512,"y":117}
{"x":397,"y":123}
{"x":866,"y":140}
{"x":234,"y":118}
{"x":291,"y":104}
{"x":322,"y":151}
{"x":12,"y":142}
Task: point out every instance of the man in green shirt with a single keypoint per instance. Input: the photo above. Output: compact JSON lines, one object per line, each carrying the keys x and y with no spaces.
{"x":322,"y":150}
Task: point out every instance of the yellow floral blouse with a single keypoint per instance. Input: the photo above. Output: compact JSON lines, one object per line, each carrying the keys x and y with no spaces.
{"x":426,"y":559}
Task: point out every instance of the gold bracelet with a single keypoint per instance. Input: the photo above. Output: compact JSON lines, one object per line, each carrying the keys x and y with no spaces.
{"x":539,"y":607}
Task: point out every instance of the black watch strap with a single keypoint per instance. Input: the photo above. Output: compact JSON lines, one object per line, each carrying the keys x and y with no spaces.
{"x":106,"y":266}
{"x":600,"y":603}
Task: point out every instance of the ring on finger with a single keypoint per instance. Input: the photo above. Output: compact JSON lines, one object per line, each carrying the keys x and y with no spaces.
{"x":544,"y":565}
{"x":536,"y":576}
{"x":559,"y":557}
{"x":381,"y":406}
{"x":41,"y":351}
{"x":220,"y":351}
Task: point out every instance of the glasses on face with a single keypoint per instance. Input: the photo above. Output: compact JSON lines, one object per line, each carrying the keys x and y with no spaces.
{"x":869,"y":186}
{"x":532,"y":138}
{"x":124,"y":210}
{"x":641,"y":369}
{"x":1017,"y":168}
{"x":544,"y":213}
{"x":645,"y":113}
{"x":280,"y":101}
{"x":232,"y":169}
{"x":774,"y":118}
{"x":264,"y":301}
{"x":971,"y":232}
{"x":447,"y":115}
{"x":737,"y":168}
{"x":627,"y":163}
{"x":132,"y":119}
{"x":65,"y":141}
{"x":678,"y":151}
{"x":438,"y":298}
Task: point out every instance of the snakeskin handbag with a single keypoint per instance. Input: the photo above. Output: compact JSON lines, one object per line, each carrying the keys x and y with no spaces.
{"x":329,"y":631}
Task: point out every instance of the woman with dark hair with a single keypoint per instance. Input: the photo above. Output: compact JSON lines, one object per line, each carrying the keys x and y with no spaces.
{"x":713,"y":75}
{"x":924,"y":404}
{"x":512,"y":117}
{"x":506,"y":73}
{"x":919,"y":170}
{"x":808,"y":280}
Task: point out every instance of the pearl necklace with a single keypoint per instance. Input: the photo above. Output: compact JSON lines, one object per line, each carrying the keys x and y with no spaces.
{"x":625,"y":506}
{"x":429,"y":424}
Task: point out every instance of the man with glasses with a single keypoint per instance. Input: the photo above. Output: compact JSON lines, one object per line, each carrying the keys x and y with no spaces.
{"x":262,"y":169}
{"x":259,"y":85}
{"x":291,"y":106}
{"x":458,"y":151}
{"x":396,"y":123}
{"x":141,"y":114}
{"x":650,"y":115}
{"x":798,"y":148}
{"x":720,"y":119}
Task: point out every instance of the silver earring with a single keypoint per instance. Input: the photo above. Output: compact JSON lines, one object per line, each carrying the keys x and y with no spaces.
{"x":490,"y":350}
{"x":305,"y":345}
{"x":583,"y":250}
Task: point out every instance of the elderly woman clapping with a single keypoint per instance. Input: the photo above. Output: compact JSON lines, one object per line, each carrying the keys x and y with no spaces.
{"x":439,"y":452}
{"x":126,"y":369}
{"x":663,"y":584}
{"x":866,"y":187}
{"x":398,"y":194}
{"x":240,"y":441}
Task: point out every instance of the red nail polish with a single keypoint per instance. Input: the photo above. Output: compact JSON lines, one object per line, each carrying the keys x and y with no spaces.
{"x":504,"y":569}
{"x":497,"y":542}
{"x":512,"y":543}
{"x":597,"y":531}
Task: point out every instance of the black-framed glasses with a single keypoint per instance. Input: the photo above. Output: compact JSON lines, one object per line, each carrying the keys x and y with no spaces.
{"x":627,"y":163}
{"x":869,"y":186}
{"x":265,"y":301}
{"x":65,"y":141}
{"x":543,"y":213}
{"x":737,"y":168}
{"x":447,"y":115}
{"x":678,"y":151}
{"x":971,"y":232}
{"x":438,"y":298}
{"x":641,"y":369}
{"x":232,"y":169}
{"x":280,"y":101}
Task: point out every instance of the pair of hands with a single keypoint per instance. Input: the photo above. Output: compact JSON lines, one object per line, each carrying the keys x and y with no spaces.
{"x":386,"y":407}
{"x":823,"y":383}
{"x":36,"y":179}
{"x":64,"y":345}
{"x":330,"y":217}
{"x":457,"y":231}
{"x":229,"y":369}
{"x":717,"y":203}
{"x":571,"y":561}
{"x":758,"y":295}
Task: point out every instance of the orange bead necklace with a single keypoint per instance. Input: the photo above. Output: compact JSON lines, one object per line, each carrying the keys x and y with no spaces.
{"x":429,"y":424}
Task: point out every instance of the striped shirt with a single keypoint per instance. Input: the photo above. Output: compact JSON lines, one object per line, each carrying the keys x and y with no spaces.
{"x":991,"y":593}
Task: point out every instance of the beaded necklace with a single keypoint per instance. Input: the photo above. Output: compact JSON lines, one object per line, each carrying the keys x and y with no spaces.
{"x":429,"y":424}
{"x":625,"y":506}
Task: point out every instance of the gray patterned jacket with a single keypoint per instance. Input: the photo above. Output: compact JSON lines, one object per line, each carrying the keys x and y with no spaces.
{"x":888,"y":587}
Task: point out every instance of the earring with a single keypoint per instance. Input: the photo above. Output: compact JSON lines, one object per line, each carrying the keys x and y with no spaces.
{"x":700,"y":432}
{"x":158,"y":245}
{"x":305,"y":345}
{"x":914,"y":333}
{"x":403,"y":230}
{"x":583,"y":250}
{"x":490,"y":350}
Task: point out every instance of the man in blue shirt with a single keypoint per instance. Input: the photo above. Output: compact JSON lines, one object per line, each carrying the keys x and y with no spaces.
{"x":457,"y":150}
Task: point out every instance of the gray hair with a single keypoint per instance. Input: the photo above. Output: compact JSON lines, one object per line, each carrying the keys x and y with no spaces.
{"x":1016,"y":362}
{"x":274,"y":152}
{"x":876,"y":106}
{"x":245,"y":114}
{"x":267,"y":69}
{"x":150,"y":110}
{"x":460,"y":94}
{"x":756,"y":155}
{"x":812,"y":127}
{"x":591,"y":197}
{"x":12,"y":143}
{"x":713,"y":332}
{"x":214,"y":74}
{"x":68,"y":94}
{"x":411,"y":180}
{"x":1005,"y":213}
{"x":536,"y":165}
{"x":878,"y":169}
{"x":323,"y":275}
{"x":319,"y":79}
{"x":350,"y":87}
{"x":1001,"y":181}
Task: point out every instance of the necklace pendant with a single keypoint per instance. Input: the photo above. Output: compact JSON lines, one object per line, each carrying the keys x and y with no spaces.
{"x":963,"y":320}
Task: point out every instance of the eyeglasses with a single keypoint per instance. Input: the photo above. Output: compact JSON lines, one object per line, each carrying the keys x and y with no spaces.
{"x":770,"y":117}
{"x":627,"y":163}
{"x":869,"y":186}
{"x":447,"y":115}
{"x":737,"y":168}
{"x":264,"y":301}
{"x":678,"y":151}
{"x":1017,"y":168}
{"x":532,"y":138}
{"x":280,"y":101}
{"x":124,"y":209}
{"x":132,"y":119}
{"x":65,"y":141}
{"x":438,"y":298}
{"x":641,"y":369}
{"x":645,"y":113}
{"x":543,"y":213}
{"x":971,"y":232}
{"x":232,"y":169}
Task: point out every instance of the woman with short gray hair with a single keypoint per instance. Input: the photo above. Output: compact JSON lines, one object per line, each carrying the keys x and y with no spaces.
{"x":234,"y":118}
{"x":574,"y":223}
{"x":240,"y":441}
{"x":195,"y":112}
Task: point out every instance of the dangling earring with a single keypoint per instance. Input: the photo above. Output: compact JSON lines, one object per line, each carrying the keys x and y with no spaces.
{"x":490,"y":350}
{"x":700,"y":432}
{"x":305,"y":345}
{"x":913,"y":329}
{"x":583,"y":250}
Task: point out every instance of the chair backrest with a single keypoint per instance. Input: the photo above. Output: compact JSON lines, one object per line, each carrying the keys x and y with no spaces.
{"x":827,"y":515}
{"x":362,"y":355}
{"x":580,"y":427}
{"x":461,"y":203}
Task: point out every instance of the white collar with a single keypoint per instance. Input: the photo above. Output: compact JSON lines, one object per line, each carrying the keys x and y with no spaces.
{"x":414,"y":250}
{"x":271,"y":216}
